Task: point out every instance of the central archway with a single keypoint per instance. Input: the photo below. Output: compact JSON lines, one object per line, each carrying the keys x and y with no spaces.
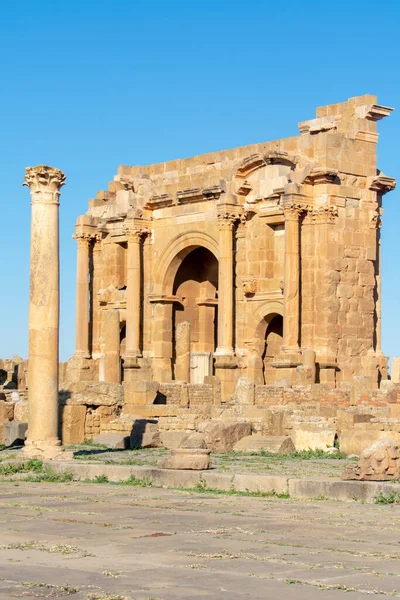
{"x":194,"y":320}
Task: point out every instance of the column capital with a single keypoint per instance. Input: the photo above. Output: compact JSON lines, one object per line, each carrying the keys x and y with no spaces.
{"x":293,"y":210}
{"x":44,"y":183}
{"x":135,"y":234}
{"x":321,"y":214}
{"x":226,"y":220}
{"x":83,"y":238}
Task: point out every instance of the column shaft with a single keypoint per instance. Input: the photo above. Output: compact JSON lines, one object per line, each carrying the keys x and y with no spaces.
{"x":82,"y":296}
{"x":44,"y":183}
{"x":133,"y":296}
{"x":291,"y":311}
{"x":112,"y":343}
{"x":225,"y":286}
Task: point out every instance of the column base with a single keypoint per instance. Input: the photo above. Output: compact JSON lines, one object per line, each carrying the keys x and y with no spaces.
{"x":46,"y":450}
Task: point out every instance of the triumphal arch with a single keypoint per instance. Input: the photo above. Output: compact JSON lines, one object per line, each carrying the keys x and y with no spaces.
{"x":249,"y":262}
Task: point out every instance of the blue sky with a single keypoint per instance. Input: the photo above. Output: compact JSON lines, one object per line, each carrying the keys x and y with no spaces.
{"x":91,"y":84}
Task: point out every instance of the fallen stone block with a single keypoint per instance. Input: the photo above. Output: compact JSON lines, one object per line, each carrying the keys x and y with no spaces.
{"x":145,"y":434}
{"x":269,"y":443}
{"x":187,"y":458}
{"x":379,"y":462}
{"x":222,"y":436}
{"x":194,"y":440}
{"x":115,"y":441}
{"x":21,"y":410}
{"x":355,"y":441}
{"x":172,"y":439}
{"x":313,"y":439}
{"x":15,"y":433}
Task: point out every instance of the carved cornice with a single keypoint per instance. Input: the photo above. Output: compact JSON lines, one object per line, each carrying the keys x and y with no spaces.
{"x":44,"y":183}
{"x":373,"y":112}
{"x":318,"y":125}
{"x":381,"y":184}
{"x":320,"y":175}
{"x":275,"y":157}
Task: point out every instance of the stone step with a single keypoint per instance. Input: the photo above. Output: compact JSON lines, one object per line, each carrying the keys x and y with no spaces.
{"x":275,"y":444}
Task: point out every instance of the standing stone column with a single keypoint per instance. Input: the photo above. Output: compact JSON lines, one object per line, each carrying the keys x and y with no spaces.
{"x":291,"y":310}
{"x":225,"y":284}
{"x":133,"y":296}
{"x":82,"y":295}
{"x":112,"y":346}
{"x":44,"y":184}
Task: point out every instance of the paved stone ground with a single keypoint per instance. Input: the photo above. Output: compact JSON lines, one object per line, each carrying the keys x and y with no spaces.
{"x":102,"y":541}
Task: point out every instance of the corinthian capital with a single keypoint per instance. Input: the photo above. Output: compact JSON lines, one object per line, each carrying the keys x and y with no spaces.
{"x":44,"y":183}
{"x":293,"y":211}
{"x":226,"y":220}
{"x":135,"y":234}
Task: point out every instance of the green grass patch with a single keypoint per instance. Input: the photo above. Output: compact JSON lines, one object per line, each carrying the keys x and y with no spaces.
{"x":24,"y":467}
{"x":295,"y":455}
{"x":392,"y":498}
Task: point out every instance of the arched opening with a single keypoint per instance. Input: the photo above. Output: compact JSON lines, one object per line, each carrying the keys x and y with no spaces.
{"x":194,"y":320}
{"x":272,"y":347}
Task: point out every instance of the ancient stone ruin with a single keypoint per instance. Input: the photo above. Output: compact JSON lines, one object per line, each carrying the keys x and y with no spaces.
{"x":237,"y":294}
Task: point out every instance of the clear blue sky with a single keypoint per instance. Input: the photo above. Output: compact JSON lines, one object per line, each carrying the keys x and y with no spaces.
{"x":91,"y":84}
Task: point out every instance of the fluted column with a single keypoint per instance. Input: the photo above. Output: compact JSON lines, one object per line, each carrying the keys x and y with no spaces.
{"x":291,"y":308}
{"x":44,"y":183}
{"x":82,"y":295}
{"x":225,"y":284}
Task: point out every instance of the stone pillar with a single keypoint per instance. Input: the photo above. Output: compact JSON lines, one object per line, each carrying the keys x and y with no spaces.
{"x":82,"y":295}
{"x":112,"y":367}
{"x":182,"y":351}
{"x":44,"y":184}
{"x":291,"y":310}
{"x":133,"y":297}
{"x":95,"y":304}
{"x":225,"y":285}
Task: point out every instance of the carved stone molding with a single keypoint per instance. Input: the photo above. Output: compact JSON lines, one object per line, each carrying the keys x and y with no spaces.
{"x":321,"y":214}
{"x":375,"y":221}
{"x":249,"y":285}
{"x":373,"y":112}
{"x":381,"y":184}
{"x":320,"y":175}
{"x":44,"y":183}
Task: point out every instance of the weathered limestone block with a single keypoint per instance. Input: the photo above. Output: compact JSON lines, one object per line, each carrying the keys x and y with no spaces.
{"x":115,"y":441}
{"x":355,"y":441}
{"x":72,"y":424}
{"x":21,"y":410}
{"x":187,"y":458}
{"x":305,"y":375}
{"x":244,"y":392}
{"x":99,"y":393}
{"x":194,"y":440}
{"x":6,"y":414}
{"x":216,"y":385}
{"x":15,"y":433}
{"x":222,"y":436}
{"x":139,"y":393}
{"x":145,"y":434}
{"x":396,"y":370}
{"x":307,"y":438}
{"x":172,"y":439}
{"x":378,"y":462}
{"x":269,"y":443}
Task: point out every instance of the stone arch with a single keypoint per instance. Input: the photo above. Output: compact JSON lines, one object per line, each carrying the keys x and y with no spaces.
{"x":176,"y":252}
{"x":262,"y":317}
